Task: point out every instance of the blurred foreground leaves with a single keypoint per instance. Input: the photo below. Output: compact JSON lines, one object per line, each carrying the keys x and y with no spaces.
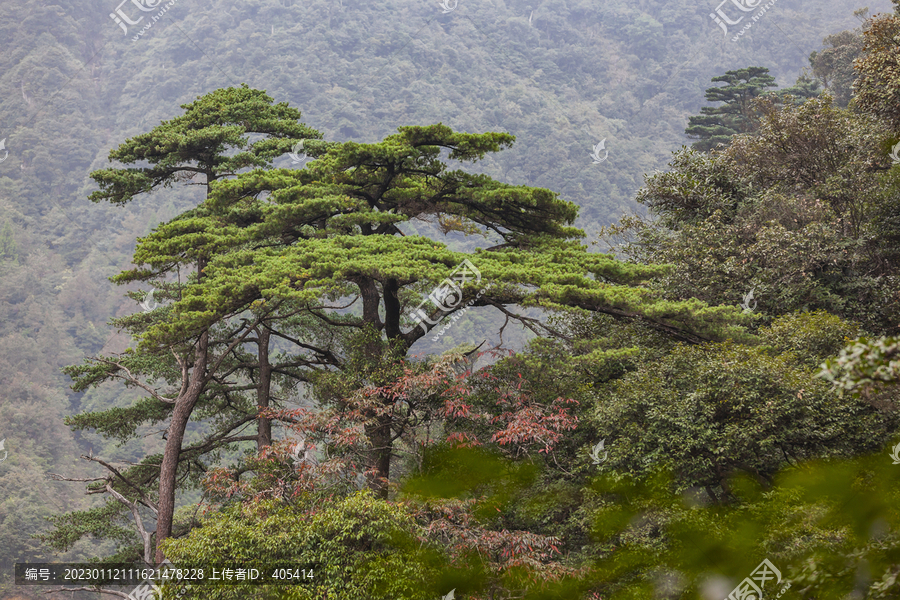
{"x":829,"y":527}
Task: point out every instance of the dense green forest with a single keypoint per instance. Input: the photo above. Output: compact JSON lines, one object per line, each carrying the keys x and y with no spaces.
{"x":453,"y":300}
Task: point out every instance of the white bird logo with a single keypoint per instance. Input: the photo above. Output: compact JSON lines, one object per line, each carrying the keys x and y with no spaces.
{"x":451,"y":595}
{"x":895,"y":454}
{"x":596,"y":153}
{"x":297,"y":152}
{"x":5,"y":453}
{"x":3,"y":147}
{"x":300,"y":447}
{"x":746,"y":304}
{"x":595,"y":453}
{"x":297,"y":449}
{"x":149,"y":303}
{"x":895,"y":153}
{"x":445,"y":4}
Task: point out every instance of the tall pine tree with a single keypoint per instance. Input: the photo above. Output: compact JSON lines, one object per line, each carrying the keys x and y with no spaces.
{"x":322,"y":258}
{"x":715,"y":125}
{"x":220,"y":134}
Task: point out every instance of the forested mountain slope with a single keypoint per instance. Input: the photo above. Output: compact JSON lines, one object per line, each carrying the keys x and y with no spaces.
{"x":559,"y":76}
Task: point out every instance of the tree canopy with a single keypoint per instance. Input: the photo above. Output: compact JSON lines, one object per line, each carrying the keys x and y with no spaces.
{"x":316,"y":257}
{"x":716,"y":124}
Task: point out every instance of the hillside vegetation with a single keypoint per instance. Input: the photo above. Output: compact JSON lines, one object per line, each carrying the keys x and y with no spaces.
{"x":554,"y":421}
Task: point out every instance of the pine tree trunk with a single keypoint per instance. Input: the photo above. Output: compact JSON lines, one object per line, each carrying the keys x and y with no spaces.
{"x":263,"y":389}
{"x":184,"y":405}
{"x":380,"y":437}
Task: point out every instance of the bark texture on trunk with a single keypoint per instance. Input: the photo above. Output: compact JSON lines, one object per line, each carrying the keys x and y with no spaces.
{"x":263,"y":388}
{"x":379,"y":435}
{"x":184,"y":405}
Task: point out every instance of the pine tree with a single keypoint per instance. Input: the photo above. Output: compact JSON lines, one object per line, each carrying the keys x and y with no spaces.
{"x":318,"y":257}
{"x":209,"y":143}
{"x":717,"y":124}
{"x":804,"y":89}
{"x":314,"y":241}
